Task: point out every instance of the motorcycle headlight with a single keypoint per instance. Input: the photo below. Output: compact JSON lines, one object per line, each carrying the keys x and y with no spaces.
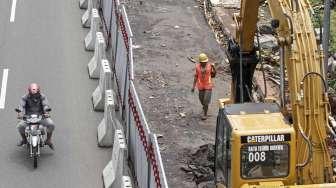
{"x":34,"y":141}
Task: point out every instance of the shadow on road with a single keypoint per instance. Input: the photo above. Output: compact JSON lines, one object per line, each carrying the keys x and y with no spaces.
{"x":20,"y":156}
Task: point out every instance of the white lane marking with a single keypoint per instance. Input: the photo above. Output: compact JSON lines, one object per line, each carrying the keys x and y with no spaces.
{"x":12,"y":17}
{"x":3,"y":88}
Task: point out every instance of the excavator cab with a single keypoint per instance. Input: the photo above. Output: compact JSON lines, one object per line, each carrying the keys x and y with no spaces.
{"x":255,"y":145}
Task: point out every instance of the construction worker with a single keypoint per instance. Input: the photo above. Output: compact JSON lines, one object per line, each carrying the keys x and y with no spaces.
{"x":203,"y":80}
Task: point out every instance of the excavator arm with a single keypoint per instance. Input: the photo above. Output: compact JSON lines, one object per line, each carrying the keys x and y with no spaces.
{"x":246,"y":23}
{"x":241,"y":51}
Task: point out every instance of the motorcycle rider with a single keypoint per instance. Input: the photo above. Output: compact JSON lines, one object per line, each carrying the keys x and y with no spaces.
{"x":35,"y":102}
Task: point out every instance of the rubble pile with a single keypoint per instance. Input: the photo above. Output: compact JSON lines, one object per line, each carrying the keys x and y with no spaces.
{"x":209,"y":13}
{"x":200,"y":165}
{"x":332,"y":84}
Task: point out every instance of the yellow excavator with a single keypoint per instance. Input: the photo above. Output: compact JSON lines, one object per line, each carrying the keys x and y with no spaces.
{"x":269,"y":144}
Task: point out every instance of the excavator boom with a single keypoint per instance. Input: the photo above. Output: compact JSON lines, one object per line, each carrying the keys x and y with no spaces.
{"x":307,"y":89}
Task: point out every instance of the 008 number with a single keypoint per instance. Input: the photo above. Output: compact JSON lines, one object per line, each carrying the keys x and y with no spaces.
{"x":256,"y":156}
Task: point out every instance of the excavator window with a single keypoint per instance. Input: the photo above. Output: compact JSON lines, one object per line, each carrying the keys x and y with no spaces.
{"x":263,"y":160}
{"x":223,"y":151}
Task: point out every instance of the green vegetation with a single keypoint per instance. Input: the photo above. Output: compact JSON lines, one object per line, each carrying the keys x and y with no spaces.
{"x":318,"y":9}
{"x":317,"y":20}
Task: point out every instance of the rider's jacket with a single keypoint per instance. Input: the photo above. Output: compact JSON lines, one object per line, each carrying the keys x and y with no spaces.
{"x":33,"y":104}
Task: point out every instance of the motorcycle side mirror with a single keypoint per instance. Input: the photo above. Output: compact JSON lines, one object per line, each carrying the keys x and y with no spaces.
{"x":17,"y":110}
{"x":48,"y":110}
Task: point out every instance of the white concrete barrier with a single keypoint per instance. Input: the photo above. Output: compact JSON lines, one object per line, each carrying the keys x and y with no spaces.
{"x":83,"y":4}
{"x":126,"y":182}
{"x":86,"y":18}
{"x":99,"y":54}
{"x":107,"y":127}
{"x":105,"y":83}
{"x":90,"y":38}
{"x":114,"y":170}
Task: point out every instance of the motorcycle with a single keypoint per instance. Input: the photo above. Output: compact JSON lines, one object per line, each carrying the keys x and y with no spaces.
{"x":35,"y":134}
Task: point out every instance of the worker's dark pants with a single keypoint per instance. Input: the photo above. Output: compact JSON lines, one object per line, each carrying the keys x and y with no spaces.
{"x":205,"y":98}
{"x":47,"y":122}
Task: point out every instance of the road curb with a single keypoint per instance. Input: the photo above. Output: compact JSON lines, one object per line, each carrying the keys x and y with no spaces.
{"x":113,"y":171}
{"x":107,"y":127}
{"x":98,"y":96}
{"x":99,"y":54}
{"x":90,"y":38}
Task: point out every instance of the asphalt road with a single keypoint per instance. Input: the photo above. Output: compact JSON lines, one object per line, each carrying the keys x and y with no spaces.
{"x":44,"y":44}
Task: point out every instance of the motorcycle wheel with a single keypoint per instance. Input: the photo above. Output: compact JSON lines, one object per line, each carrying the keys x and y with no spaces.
{"x":35,"y":156}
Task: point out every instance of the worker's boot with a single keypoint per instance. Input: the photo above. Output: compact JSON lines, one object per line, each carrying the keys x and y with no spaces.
{"x":205,"y":111}
{"x":48,"y":141}
{"x":23,"y":141}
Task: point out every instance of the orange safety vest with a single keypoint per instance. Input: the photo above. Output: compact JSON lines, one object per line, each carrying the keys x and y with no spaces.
{"x":204,"y":81}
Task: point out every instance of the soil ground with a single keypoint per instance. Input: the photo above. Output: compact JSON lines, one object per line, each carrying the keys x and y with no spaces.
{"x":166,"y":32}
